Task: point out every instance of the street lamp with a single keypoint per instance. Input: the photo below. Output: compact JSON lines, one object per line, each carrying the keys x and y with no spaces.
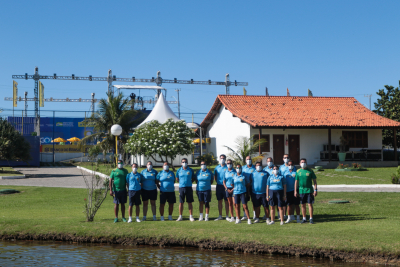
{"x":116,"y":130}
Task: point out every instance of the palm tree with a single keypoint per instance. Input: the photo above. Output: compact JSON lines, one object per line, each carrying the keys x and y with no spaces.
{"x":113,"y":110}
{"x":245,"y":147}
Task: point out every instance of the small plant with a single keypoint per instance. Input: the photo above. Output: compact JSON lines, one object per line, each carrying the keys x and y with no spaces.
{"x":340,"y":166}
{"x":346,"y":166}
{"x":396,"y":176}
{"x":208,"y":158}
{"x":33,"y":133}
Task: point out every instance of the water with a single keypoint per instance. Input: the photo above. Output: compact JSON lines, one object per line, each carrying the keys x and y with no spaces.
{"x":28,"y":253}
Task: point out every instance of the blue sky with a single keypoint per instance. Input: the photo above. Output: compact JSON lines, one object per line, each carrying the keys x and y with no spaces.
{"x":334,"y":48}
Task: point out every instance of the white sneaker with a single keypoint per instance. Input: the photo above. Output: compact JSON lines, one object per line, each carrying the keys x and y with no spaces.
{"x":270,"y":223}
{"x":162,"y":218}
{"x":200,"y":218}
{"x":130,"y":220}
{"x":192,"y":219}
{"x":238,"y":221}
{"x":228,"y":219}
{"x":206,"y":219}
{"x":289,"y":220}
{"x":179,"y":219}
{"x":282,"y":223}
{"x":256,"y":220}
{"x":232,"y":220}
{"x":265,"y":217}
{"x":144,"y":218}
{"x":249,"y":221}
{"x":218,"y":219}
{"x":169,"y":218}
{"x":254,"y":215}
{"x":154,"y":218}
{"x":138,"y":220}
{"x":244,"y":218}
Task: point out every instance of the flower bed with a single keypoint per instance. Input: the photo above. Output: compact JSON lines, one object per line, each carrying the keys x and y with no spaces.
{"x":353,"y":168}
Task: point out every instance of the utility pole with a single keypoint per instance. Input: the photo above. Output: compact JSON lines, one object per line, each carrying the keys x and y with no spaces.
{"x":93,"y":101}
{"x":179,"y":104}
{"x":26,"y":104}
{"x":369,"y":96}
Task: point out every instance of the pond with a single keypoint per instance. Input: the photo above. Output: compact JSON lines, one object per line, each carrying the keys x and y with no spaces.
{"x":28,"y":253}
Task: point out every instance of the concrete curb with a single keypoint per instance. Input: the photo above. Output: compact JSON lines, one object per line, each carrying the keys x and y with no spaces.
{"x":13,"y":177}
{"x":372,"y":186}
{"x":96,"y":173}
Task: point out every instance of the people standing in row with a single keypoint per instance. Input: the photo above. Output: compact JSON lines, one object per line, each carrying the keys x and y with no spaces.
{"x":228,"y":184}
{"x":185,"y":177}
{"x":219,"y":174}
{"x":165,"y":182}
{"x":204,"y":178}
{"x":117,"y":187}
{"x":149,"y":190}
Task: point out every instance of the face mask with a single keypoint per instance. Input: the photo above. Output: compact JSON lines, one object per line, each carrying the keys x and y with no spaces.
{"x":134,"y":170}
{"x":184,"y":164}
{"x":303,"y":165}
{"x":275,"y":172}
{"x":248,"y":161}
{"x":166,"y":167}
{"x":290,"y":167}
{"x":270,"y":163}
{"x":229,"y":166}
{"x":222,"y":161}
{"x":120,"y":165}
{"x":259,"y":168}
{"x":149,"y":167}
{"x":238,"y":170}
{"x":203,"y":167}
{"x":285,"y":160}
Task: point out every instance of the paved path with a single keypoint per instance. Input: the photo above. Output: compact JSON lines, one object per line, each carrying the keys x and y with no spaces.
{"x":72,"y":177}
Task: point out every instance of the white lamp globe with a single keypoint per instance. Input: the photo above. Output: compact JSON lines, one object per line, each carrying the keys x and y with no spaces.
{"x":193,"y":125}
{"x":116,"y":130}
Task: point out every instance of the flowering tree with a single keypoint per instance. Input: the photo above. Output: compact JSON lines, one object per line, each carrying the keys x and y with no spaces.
{"x":165,"y":140}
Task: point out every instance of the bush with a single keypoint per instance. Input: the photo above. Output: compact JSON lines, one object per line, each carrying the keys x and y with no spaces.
{"x":396,"y":176}
{"x":208,"y":158}
{"x":340,"y":166}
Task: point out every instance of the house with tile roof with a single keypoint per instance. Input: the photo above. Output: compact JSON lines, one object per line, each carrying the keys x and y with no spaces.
{"x":304,"y":127}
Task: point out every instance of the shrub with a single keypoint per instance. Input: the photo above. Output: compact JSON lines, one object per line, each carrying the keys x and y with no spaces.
{"x":340,"y":166}
{"x":396,"y":176}
{"x":208,"y":158}
{"x":346,"y":166}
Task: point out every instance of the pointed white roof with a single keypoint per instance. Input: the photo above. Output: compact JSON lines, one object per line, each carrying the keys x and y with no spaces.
{"x":161,"y":112}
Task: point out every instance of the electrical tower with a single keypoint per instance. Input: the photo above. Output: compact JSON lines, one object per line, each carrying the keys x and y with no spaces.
{"x":369,"y":96}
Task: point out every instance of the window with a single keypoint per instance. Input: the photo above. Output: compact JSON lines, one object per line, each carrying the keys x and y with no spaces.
{"x":356,"y":139}
{"x":264,"y":147}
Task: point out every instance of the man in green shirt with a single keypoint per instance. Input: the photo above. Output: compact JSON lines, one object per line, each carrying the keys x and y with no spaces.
{"x":118,"y":189}
{"x":304,"y":178}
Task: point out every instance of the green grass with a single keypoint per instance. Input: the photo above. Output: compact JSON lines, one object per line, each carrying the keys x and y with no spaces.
{"x":8,"y":171}
{"x":369,"y":223}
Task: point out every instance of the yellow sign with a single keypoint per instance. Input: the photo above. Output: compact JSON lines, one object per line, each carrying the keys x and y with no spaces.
{"x":41,"y":94}
{"x":64,"y":149}
{"x":15,"y":94}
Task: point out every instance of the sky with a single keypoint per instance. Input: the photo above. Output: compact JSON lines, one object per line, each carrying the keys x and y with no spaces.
{"x":333,"y":48}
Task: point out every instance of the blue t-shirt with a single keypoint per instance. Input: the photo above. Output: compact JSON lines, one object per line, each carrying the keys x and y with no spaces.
{"x":276,"y":182}
{"x":204,"y":179}
{"x":259,"y":182}
{"x":149,"y":179}
{"x":290,"y":178}
{"x":247,"y":171}
{"x":219,"y":173}
{"x":267,"y":169}
{"x":134,"y":180}
{"x":185,"y":177}
{"x":167,"y":181}
{"x":239,"y":182}
{"x":283,"y":169}
{"x":228,"y":178}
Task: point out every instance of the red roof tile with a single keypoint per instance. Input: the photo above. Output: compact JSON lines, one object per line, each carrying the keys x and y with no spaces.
{"x":298,"y":111}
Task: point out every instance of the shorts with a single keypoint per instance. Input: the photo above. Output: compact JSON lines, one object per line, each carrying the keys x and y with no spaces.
{"x":291,"y":199}
{"x":149,"y":194}
{"x":120,"y":197}
{"x":204,"y":196}
{"x":134,"y":198}
{"x":259,"y":199}
{"x":307,"y":198}
{"x":186,"y":192}
{"x":240,"y":198}
{"x":227,"y":194}
{"x":169,"y":197}
{"x":276,"y":198}
{"x":220,"y":192}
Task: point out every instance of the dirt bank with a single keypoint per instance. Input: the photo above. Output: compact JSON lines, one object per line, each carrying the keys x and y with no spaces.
{"x":382,"y":258}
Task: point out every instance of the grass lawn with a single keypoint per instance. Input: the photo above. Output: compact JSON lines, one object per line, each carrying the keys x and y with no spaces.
{"x":8,"y":171}
{"x":369,"y":223}
{"x":325,"y":177}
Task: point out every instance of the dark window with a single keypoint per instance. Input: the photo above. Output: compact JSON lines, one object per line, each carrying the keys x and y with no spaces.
{"x":356,"y":139}
{"x":264,"y":147}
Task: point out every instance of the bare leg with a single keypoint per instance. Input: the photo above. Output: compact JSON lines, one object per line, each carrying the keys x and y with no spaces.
{"x":257,"y":210}
{"x":190,"y":208}
{"x":145,"y":207}
{"x":171,"y":208}
{"x":246,"y":210}
{"x":304,"y":210}
{"x":130,"y":211}
{"x":153,"y":207}
{"x":162,"y":209}
{"x":297,"y":209}
{"x":181,"y":208}
{"x":310,"y":210}
{"x":116,"y":210}
{"x":201,"y":206}
{"x":123,"y":210}
{"x":266,"y":210}
{"x":237,"y":209}
{"x":220,"y":207}
{"x":272,"y":213}
{"x":137,"y":210}
{"x":227,"y":208}
{"x":230,"y":203}
{"x":281,"y":213}
{"x":291,"y":210}
{"x":207,"y":208}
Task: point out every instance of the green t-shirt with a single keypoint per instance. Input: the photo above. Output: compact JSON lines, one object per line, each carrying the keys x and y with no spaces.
{"x":119,"y":176}
{"x":305,"y":180}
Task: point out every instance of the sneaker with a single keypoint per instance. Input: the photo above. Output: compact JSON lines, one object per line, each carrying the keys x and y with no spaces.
{"x":282,"y":223}
{"x":144,"y":218}
{"x":192,"y":219}
{"x":138,"y":220}
{"x":244,"y":218}
{"x":285,"y":218}
{"x":303,"y":221}
{"x":265,"y":217}
{"x":115,"y":220}
{"x":162,"y":218}
{"x":256,"y":220}
{"x":232,"y":220}
{"x":154,"y":218}
{"x":130,"y":220}
{"x":289,"y":220}
{"x":238,"y":221}
{"x":169,"y":218}
{"x":311,"y":221}
{"x":123,"y":220}
{"x":228,"y":219}
{"x":218,"y":219}
{"x":298,"y":221}
{"x":200,"y":218}
{"x":179,"y":219}
{"x":249,"y":221}
{"x":270,"y":223}
{"x":206,"y":219}
{"x":254,"y":215}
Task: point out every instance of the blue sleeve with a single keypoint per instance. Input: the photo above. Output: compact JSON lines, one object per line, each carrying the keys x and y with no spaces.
{"x":141,"y":178}
{"x":127,"y":178}
{"x":158,"y":176}
{"x":173,"y":175}
{"x":177,"y":173}
{"x":156,"y":172}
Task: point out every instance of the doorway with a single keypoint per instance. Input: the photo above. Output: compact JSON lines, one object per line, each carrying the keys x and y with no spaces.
{"x":279,"y":148}
{"x":294,"y":148}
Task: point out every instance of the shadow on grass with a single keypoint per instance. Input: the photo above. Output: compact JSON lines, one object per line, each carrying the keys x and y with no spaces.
{"x":344,"y":218}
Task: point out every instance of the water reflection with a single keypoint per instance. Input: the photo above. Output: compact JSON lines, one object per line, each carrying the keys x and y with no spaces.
{"x":27,"y":253}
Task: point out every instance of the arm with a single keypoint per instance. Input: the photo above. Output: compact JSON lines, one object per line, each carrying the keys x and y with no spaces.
{"x":295,"y":188}
{"x":315,"y":187}
{"x":267,"y":192}
{"x":212,"y":178}
{"x":284,"y":192}
{"x":110,"y":185}
{"x":177,"y":176}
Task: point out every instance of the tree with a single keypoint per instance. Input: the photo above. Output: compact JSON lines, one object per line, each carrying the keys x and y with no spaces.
{"x":388,"y":106}
{"x":165,"y":140}
{"x":245,"y":147}
{"x":113,"y":110}
{"x":13,"y":145}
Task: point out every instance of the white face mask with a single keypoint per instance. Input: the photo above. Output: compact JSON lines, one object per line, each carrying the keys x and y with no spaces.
{"x":134,"y":170}
{"x":222,"y":161}
{"x":149,"y":167}
{"x":166,"y":167}
{"x":303,"y":165}
{"x":229,"y":166}
{"x":184,"y":164}
{"x":290,"y":167}
{"x":259,"y":168}
{"x":203,"y":167}
{"x":120,"y":166}
{"x":270,"y":163}
{"x":248,"y":161}
{"x":275,"y":172}
{"x":238,"y":170}
{"x":285,"y":160}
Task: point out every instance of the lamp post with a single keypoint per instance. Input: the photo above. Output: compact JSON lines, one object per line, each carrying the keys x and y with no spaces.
{"x":195,"y":126}
{"x":116,"y":130}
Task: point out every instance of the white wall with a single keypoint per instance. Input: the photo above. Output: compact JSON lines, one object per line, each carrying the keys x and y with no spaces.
{"x":224,"y":130}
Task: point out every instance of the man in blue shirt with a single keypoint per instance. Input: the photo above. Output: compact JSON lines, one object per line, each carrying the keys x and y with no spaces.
{"x":240,"y":187}
{"x":285,"y":167}
{"x":247,"y":170}
{"x":204,"y":179}
{"x":166,"y":183}
{"x":276,"y":194}
{"x":228,"y":184}
{"x":258,"y":180}
{"x":133,"y":181}
{"x":292,"y":201}
{"x":219,"y":174}
{"x":149,"y":190}
{"x":270,"y":166}
{"x":185,"y":177}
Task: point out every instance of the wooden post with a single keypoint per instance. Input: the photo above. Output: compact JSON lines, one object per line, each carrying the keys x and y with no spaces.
{"x":329,"y":143}
{"x":259,"y":138}
{"x":395,"y":143}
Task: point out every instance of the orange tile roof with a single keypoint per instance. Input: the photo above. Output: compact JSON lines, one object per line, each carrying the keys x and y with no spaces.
{"x":299,"y":111}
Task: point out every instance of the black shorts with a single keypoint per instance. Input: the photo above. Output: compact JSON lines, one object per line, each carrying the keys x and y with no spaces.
{"x":307,"y":198}
{"x":120,"y":197}
{"x":149,"y":194}
{"x":259,"y":199}
{"x":240,"y":198}
{"x":186,"y":192}
{"x":291,"y":199}
{"x":167,"y":197}
{"x":220,"y":192}
{"x":204,"y":196}
{"x":227,"y":194}
{"x":276,"y":198}
{"x":134,"y":198}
